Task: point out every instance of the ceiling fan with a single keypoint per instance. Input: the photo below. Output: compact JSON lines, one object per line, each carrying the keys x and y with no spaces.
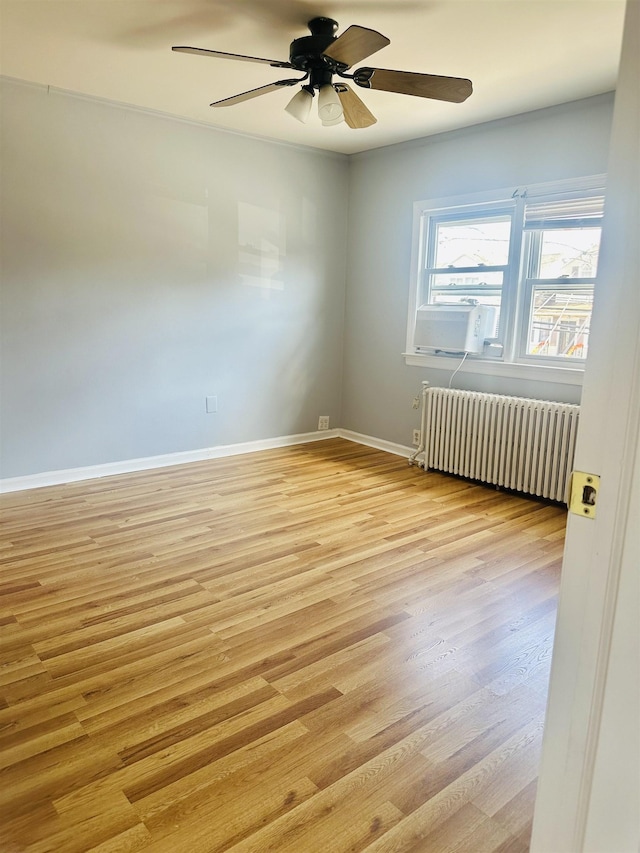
{"x":322,"y":55}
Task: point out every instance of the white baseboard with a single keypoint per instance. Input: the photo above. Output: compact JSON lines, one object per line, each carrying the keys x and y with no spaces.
{"x":377,"y":443}
{"x":129,"y":466}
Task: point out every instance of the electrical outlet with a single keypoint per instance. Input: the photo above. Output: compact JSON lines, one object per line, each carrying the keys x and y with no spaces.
{"x":211,"y":404}
{"x":323,"y":422}
{"x":415,"y":403}
{"x":416,"y":438}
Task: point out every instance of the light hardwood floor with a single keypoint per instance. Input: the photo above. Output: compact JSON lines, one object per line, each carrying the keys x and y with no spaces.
{"x":317,"y":648}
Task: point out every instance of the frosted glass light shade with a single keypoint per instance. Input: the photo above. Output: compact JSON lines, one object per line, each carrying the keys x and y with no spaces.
{"x":329,"y":105}
{"x":300,"y":105}
{"x":333,"y":121}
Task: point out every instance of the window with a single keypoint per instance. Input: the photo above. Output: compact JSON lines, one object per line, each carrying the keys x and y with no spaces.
{"x":468,"y":259}
{"x":531,"y":253}
{"x":561,"y":245}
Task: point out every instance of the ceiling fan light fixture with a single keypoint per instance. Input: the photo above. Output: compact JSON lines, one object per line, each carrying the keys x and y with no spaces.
{"x":322,"y":55}
{"x":300,"y":105}
{"x":329,"y":105}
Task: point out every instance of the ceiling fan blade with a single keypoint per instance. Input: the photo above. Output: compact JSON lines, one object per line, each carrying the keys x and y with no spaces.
{"x":355,"y":44}
{"x":454,"y":89}
{"x":356,"y":112}
{"x":276,"y":63}
{"x":254,"y":93}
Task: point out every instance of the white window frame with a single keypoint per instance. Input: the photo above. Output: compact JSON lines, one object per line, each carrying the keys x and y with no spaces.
{"x":508,"y":360}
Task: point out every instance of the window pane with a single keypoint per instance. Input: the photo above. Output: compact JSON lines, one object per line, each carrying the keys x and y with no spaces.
{"x":559,"y":325}
{"x":569,"y":253}
{"x":472,"y":242}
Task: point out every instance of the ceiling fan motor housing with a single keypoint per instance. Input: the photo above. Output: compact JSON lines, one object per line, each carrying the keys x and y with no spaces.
{"x":306,"y":53}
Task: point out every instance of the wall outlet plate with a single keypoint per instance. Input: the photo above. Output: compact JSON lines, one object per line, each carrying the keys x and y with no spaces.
{"x":416,"y":438}
{"x":211,"y":404}
{"x":323,"y":422}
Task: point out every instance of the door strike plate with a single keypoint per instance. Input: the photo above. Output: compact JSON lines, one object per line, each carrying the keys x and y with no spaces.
{"x":584,"y":494}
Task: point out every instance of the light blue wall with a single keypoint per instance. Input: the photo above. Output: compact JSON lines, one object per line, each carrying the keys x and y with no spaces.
{"x":553,"y":144}
{"x":149,"y":262}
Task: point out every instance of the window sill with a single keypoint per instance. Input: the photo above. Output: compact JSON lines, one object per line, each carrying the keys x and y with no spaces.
{"x":493,"y":367}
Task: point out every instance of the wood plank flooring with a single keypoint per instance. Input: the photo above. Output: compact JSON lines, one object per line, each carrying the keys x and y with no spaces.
{"x":317,"y":648}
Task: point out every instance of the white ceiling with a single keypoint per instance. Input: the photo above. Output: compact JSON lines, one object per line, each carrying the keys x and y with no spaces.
{"x":520,"y":54}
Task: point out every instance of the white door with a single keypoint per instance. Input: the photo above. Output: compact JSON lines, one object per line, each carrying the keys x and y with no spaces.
{"x":589,"y":788}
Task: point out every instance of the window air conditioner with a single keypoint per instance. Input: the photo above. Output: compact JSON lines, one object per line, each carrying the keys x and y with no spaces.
{"x":454,"y":328}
